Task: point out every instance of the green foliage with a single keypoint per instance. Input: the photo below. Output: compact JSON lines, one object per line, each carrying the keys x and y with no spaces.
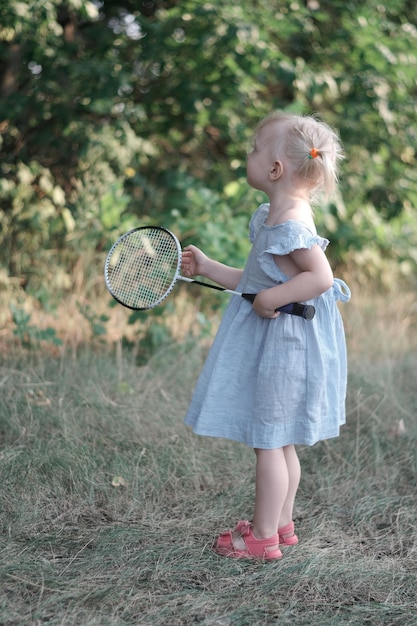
{"x":96,"y":321}
{"x":30,"y":335}
{"x":120,"y":113}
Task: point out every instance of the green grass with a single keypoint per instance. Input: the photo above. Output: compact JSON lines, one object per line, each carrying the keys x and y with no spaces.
{"x":109,"y":505}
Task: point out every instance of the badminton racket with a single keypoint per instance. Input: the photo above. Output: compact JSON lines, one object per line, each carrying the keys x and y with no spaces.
{"x":143,"y":265}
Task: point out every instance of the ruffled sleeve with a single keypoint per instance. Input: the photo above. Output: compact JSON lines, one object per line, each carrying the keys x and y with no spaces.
{"x":289,"y":236}
{"x":285,"y":238}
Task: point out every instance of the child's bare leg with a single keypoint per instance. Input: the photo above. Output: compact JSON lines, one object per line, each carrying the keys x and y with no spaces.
{"x":294,"y":474}
{"x":271,"y":491}
{"x":277,"y":478}
{"x":272,"y":482}
{"x":286,"y":532}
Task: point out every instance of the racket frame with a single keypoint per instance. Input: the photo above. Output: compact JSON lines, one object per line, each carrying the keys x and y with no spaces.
{"x":118,"y":243}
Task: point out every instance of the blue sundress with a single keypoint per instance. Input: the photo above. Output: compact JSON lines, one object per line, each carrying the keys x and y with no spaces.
{"x":269,"y":383}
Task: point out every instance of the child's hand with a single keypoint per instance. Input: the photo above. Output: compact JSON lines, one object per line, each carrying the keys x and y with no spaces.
{"x":265,"y":304}
{"x":194,"y":262}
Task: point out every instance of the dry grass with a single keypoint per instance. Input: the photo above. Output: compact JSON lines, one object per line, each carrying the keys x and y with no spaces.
{"x":109,"y":505}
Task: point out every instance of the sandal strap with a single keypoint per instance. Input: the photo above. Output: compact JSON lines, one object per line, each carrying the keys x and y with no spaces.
{"x":286,"y":534}
{"x":286,"y":530}
{"x":258,"y":547}
{"x":243,"y":527}
{"x":255,"y":548}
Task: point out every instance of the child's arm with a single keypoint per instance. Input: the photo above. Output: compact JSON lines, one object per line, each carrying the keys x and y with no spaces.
{"x":314,"y":277}
{"x":195,"y":262}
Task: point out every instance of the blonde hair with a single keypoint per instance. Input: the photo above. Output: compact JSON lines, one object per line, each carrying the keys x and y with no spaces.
{"x":313,"y":147}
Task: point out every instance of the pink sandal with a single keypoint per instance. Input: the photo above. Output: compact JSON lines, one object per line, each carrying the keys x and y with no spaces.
{"x":284,"y":539}
{"x":255,"y":548}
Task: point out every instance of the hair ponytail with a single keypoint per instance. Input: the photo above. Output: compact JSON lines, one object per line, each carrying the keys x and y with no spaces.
{"x":313,"y":147}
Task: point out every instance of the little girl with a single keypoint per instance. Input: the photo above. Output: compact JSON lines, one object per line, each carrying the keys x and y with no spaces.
{"x":273,"y":380}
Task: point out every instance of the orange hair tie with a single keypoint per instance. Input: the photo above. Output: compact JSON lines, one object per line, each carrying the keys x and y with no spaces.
{"x":314,"y":153}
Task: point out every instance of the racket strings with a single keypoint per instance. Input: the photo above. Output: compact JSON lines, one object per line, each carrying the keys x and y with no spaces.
{"x":142,"y":268}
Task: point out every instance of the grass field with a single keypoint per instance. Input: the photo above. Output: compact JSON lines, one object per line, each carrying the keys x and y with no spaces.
{"x":109,"y":505}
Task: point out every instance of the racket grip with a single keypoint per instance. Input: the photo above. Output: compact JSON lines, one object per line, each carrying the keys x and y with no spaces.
{"x":307,"y":311}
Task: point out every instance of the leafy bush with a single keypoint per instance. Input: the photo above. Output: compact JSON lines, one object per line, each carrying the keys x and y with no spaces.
{"x":116,"y":114}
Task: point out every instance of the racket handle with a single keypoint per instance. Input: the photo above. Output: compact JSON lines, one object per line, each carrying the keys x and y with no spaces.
{"x":302,"y":310}
{"x":307,"y":311}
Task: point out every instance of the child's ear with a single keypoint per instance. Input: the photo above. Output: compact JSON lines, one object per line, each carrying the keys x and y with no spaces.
{"x":276,"y":170}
